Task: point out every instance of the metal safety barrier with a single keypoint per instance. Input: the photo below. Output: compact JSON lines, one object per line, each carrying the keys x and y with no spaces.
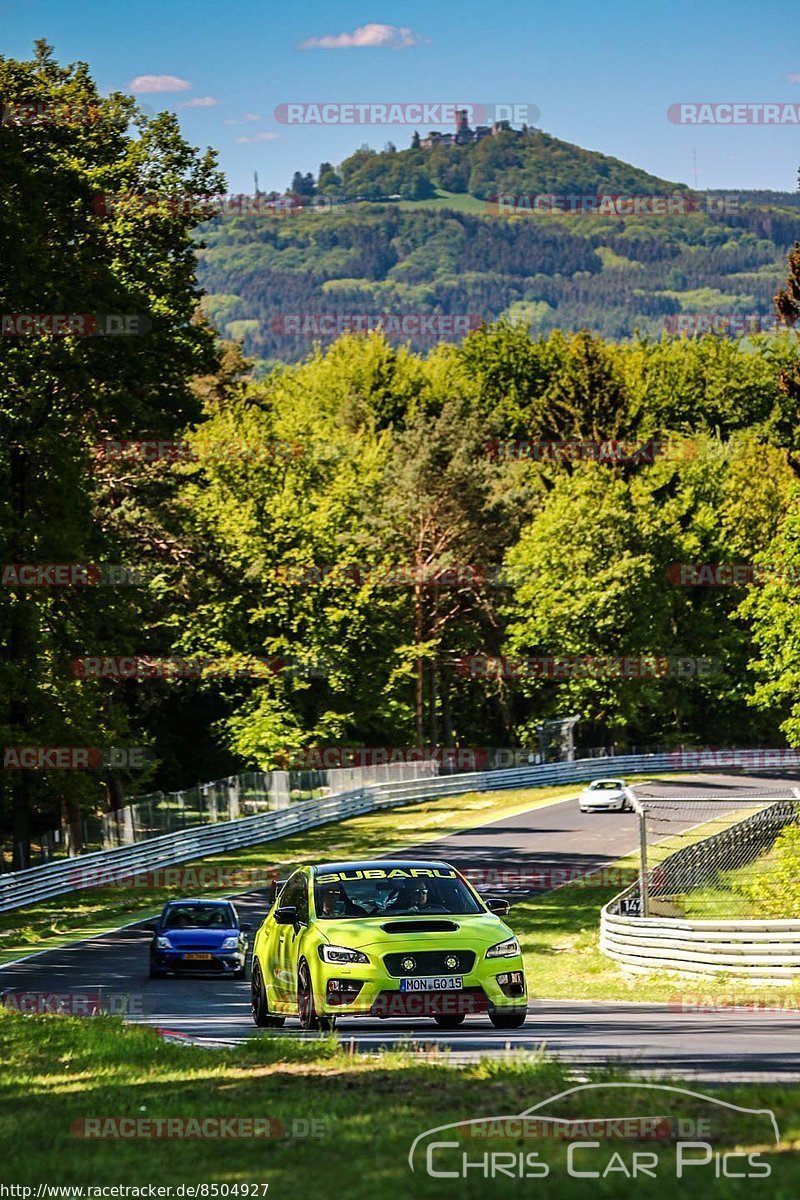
{"x":760,"y":950}
{"x":57,"y":878}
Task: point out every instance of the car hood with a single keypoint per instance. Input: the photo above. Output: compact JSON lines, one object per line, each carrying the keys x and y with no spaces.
{"x":399,"y":933}
{"x":197,"y":939}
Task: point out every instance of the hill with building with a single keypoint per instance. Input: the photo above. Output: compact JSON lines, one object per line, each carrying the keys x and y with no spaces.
{"x":420,"y":232}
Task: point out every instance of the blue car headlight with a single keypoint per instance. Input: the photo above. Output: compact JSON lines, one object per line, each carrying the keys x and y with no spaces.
{"x":231,"y":943}
{"x":163,"y":943}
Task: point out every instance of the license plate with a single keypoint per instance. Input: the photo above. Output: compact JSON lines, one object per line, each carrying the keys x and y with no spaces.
{"x":196,"y":956}
{"x":420,"y":983}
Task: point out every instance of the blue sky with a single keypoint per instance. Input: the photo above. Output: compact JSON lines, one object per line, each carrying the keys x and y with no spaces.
{"x":601,"y":75}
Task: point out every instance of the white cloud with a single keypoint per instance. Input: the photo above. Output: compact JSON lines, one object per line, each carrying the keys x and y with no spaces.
{"x":264,"y":136}
{"x":795,"y":78}
{"x":200,"y":102}
{"x":252,"y":117}
{"x":395,"y":36}
{"x":158,"y":83}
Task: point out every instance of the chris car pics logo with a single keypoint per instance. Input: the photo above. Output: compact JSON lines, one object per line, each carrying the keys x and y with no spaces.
{"x":613,"y":1131}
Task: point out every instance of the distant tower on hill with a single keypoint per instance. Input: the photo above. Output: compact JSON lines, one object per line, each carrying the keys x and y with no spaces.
{"x":462,"y":124}
{"x":255,"y":178}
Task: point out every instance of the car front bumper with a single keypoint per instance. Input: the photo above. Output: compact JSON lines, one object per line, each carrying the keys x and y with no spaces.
{"x":358,"y":990}
{"x":590,"y":804}
{"x":218,"y":964}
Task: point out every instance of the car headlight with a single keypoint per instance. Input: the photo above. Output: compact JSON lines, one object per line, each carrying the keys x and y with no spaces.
{"x":163,"y":943}
{"x":341,"y":954}
{"x":506,"y":949}
{"x":231,"y":943}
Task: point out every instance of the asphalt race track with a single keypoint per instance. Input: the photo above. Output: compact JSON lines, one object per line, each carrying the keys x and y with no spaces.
{"x":533,"y":845}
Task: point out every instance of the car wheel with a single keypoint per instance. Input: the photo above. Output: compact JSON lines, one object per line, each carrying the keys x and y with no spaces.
{"x":449,"y":1020}
{"x":306,"y":1008}
{"x":258,"y":1001}
{"x":508,"y":1020}
{"x":240,"y":973}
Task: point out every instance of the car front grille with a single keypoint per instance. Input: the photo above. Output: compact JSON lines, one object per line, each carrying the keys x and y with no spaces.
{"x":430,"y":962}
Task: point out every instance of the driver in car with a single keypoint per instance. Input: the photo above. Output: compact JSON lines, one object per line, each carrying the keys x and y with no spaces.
{"x":411,"y":899}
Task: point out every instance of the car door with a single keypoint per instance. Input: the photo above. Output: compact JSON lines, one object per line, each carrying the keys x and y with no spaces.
{"x":295,"y":894}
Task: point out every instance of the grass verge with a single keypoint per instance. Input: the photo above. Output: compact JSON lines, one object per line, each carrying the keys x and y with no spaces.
{"x":57,"y":1072}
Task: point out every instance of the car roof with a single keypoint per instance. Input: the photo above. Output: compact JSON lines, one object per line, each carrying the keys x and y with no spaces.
{"x":383,"y":864}
{"x":199,"y":900}
{"x":621,"y":782}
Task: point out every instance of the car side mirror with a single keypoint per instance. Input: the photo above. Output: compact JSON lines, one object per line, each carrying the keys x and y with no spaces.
{"x":286,"y":915}
{"x":246,"y":928}
{"x":496,"y":905}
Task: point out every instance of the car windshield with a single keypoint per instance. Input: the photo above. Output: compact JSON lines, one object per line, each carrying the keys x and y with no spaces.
{"x":606,"y":785}
{"x":199,"y":916}
{"x":393,"y":894}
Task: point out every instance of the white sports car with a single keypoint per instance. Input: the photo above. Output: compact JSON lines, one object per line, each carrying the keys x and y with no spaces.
{"x":605,"y":794}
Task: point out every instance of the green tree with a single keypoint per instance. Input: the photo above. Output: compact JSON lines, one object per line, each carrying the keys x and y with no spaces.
{"x":61,"y":395}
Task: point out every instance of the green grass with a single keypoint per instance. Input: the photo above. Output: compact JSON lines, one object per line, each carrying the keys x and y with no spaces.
{"x":456,"y":201}
{"x":56,"y":1072}
{"x":96,"y":910}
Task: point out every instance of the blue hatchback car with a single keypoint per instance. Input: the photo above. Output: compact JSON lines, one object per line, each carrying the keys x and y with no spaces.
{"x":199,"y":936}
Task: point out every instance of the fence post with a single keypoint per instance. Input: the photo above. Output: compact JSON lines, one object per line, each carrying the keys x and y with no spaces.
{"x":641,"y":813}
{"x":643,"y":881}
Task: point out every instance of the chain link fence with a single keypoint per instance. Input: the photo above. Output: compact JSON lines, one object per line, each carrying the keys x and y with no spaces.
{"x":718,"y":856}
{"x":229,"y":799}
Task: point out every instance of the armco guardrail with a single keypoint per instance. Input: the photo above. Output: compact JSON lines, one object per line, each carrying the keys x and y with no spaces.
{"x":68,"y":875}
{"x":765,"y":951}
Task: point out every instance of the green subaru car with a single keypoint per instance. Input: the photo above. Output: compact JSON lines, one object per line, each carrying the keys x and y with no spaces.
{"x":385,"y":939}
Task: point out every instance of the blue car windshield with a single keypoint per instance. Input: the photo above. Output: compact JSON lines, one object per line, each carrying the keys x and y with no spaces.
{"x":392,"y":897}
{"x":199,"y":916}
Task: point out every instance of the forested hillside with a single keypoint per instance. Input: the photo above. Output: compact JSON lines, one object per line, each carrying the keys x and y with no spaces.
{"x":613,"y":275}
